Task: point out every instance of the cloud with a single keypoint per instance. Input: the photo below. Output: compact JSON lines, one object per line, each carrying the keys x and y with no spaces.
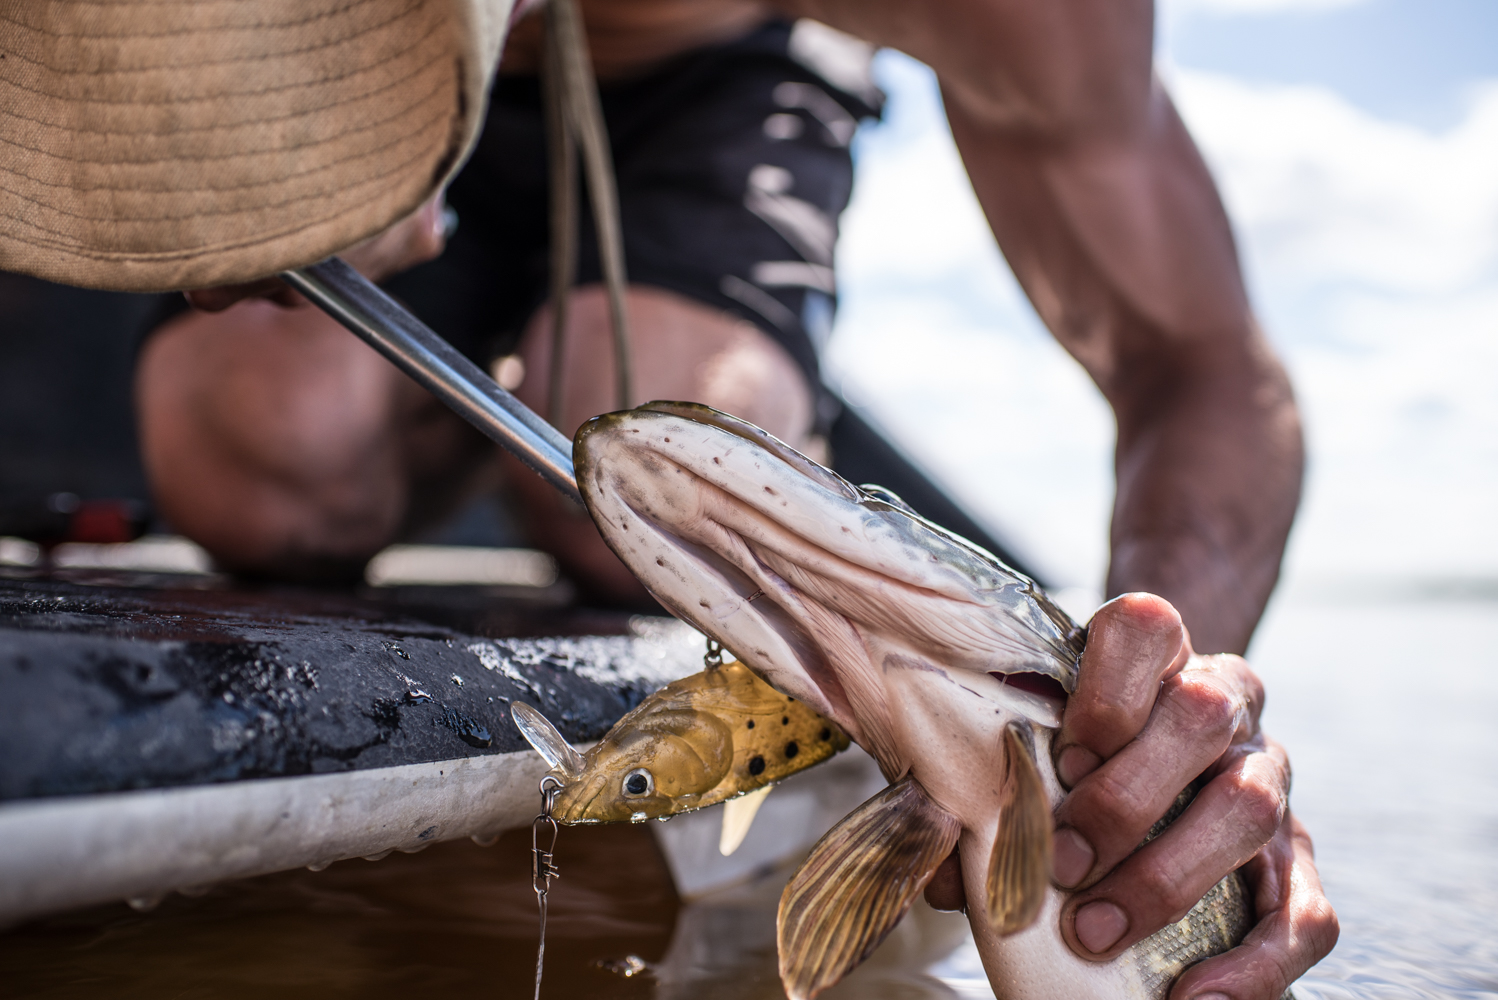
{"x":1372,"y":252}
{"x":1327,"y":194}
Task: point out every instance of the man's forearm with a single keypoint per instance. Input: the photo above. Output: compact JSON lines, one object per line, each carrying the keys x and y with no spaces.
{"x":1209,"y":466}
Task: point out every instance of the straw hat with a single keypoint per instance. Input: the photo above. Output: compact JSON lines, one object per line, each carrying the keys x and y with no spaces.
{"x":163,"y":144}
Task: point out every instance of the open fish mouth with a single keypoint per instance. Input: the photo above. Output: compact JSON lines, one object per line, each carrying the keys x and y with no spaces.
{"x":792,"y":567}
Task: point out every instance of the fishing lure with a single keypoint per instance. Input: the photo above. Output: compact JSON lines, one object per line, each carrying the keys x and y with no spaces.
{"x":722,"y":735}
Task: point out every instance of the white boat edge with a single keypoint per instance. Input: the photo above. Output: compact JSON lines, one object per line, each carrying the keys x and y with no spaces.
{"x":63,"y":853}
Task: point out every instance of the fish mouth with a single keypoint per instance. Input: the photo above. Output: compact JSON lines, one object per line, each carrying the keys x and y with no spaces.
{"x":576,"y":798}
{"x":785,"y":562}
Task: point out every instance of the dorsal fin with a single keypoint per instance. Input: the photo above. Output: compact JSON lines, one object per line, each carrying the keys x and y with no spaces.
{"x":1019,"y":870}
{"x":547,"y":741}
{"x":857,"y":883}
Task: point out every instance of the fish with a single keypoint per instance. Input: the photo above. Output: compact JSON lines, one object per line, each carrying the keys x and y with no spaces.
{"x":722,"y":735}
{"x":950,"y":668}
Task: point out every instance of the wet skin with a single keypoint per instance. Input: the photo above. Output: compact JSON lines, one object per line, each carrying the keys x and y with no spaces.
{"x":1104,"y":209}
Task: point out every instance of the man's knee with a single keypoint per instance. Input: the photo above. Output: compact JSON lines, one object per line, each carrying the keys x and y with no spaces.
{"x":268,"y":438}
{"x":680,"y":349}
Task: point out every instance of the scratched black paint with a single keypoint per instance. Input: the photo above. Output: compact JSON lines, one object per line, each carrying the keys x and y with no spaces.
{"x":106,"y":687}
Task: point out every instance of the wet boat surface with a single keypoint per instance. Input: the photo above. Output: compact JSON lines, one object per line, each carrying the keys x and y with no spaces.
{"x":160,"y":732}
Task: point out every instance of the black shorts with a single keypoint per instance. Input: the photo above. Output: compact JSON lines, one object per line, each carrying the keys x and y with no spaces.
{"x":732,"y":165}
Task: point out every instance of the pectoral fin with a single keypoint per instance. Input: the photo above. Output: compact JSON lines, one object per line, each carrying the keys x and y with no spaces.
{"x":738,"y":816}
{"x":857,"y":883}
{"x":543,"y":736}
{"x":1020,"y":868}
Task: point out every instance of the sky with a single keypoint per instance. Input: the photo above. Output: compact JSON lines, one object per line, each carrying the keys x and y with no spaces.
{"x":1355,"y":143}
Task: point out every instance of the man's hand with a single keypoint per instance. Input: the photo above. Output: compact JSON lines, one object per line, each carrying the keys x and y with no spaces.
{"x":1147,"y":718}
{"x":416,"y":239}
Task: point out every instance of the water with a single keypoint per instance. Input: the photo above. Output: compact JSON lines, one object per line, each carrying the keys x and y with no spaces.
{"x":457,"y":920}
{"x":1389,"y":705}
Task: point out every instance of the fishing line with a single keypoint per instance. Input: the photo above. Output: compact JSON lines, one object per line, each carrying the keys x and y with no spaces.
{"x":542,"y":868}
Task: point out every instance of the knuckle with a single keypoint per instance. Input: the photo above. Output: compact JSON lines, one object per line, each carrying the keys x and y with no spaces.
{"x":1260,"y":807}
{"x":1204,"y":704}
{"x":1141,"y":617}
{"x":1321,"y":931}
{"x":1113,"y":802}
{"x":1173,"y":895}
{"x":1110,"y":716}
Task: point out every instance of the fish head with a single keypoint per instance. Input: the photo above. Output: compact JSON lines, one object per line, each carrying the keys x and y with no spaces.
{"x":815,"y":583}
{"x":654,"y":766}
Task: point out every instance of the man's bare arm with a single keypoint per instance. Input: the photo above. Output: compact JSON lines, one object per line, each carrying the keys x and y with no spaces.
{"x":1116,"y":232}
{"x":1112,"y":224}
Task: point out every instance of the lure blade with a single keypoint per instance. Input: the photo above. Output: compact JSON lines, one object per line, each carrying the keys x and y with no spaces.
{"x":547,"y":741}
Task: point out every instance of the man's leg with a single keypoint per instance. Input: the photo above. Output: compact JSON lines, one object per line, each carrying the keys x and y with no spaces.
{"x":682,"y":350}
{"x":285,"y":446}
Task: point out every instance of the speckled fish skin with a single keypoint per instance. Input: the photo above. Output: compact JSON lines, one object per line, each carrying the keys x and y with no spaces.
{"x":897,"y":630}
{"x":696,"y":742}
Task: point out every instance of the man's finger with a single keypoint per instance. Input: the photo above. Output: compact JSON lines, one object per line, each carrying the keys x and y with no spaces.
{"x":1297,"y":926}
{"x":1231,"y":819}
{"x":416,"y":239}
{"x":1200,"y":713}
{"x":1133,"y":642}
{"x":945,"y":891}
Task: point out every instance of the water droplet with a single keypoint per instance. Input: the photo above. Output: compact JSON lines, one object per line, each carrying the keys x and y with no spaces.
{"x":144,"y":904}
{"x":485,"y":839}
{"x":378,"y":857}
{"x":629,"y":966}
{"x":318,"y":866}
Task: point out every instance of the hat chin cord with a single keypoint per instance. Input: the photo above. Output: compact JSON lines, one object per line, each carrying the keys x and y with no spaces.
{"x":574,"y":121}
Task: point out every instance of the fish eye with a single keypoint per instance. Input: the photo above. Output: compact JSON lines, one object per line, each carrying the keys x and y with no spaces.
{"x":639,"y":782}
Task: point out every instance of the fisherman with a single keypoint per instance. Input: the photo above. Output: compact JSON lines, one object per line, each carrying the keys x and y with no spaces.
{"x":287,"y":448}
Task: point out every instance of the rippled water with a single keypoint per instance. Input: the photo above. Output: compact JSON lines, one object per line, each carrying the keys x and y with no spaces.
{"x":1390,"y":710}
{"x":1389,"y":707}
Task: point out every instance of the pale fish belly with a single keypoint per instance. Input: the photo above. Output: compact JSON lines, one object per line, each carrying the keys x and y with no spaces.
{"x":1037,"y":963}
